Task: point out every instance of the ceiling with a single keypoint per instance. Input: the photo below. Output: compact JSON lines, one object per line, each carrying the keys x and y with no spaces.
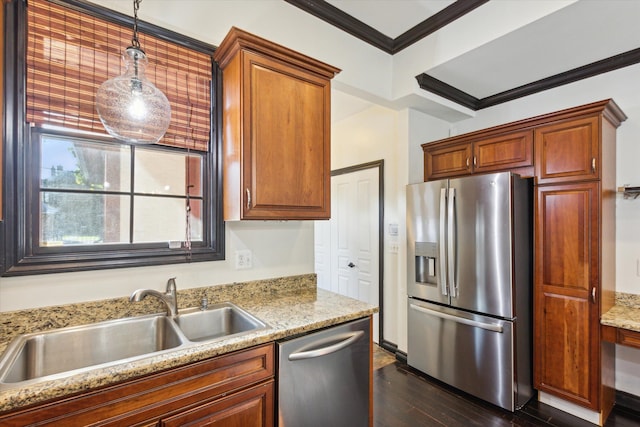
{"x":582,"y":39}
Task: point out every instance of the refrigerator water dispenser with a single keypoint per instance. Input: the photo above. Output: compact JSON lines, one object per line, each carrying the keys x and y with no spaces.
{"x":426,"y":261}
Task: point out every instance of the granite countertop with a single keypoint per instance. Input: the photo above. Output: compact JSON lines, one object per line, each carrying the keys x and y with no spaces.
{"x":625,"y":313}
{"x":290,"y":306}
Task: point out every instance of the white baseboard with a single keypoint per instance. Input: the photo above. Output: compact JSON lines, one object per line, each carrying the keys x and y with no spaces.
{"x":571,"y":408}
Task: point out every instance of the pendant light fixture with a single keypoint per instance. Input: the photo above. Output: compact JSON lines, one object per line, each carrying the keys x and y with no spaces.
{"x":130,"y":107}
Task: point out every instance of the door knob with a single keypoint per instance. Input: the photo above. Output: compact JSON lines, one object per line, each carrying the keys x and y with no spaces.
{"x":351,"y":265}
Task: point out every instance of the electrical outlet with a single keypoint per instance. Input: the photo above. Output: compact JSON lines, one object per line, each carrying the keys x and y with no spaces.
{"x":243,"y":259}
{"x":393,"y":248}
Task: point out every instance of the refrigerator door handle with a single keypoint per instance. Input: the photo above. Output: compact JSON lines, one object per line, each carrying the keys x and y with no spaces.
{"x":493,"y":327}
{"x":443,"y":242}
{"x":451,"y":244}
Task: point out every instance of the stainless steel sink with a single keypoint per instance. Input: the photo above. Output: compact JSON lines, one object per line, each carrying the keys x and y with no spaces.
{"x":67,"y":351}
{"x":217,"y":321}
{"x":37,"y":355}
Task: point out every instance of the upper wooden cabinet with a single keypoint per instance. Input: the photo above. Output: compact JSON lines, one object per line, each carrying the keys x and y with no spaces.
{"x":469,"y":154}
{"x":442,"y":162}
{"x":276,"y":139}
{"x":511,"y":151}
{"x":568,"y":151}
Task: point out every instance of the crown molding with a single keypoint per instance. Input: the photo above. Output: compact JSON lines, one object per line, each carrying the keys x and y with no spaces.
{"x":451,"y":93}
{"x":336,"y":17}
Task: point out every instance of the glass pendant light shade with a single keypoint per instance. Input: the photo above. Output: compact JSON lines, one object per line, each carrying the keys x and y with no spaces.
{"x":130,"y":107}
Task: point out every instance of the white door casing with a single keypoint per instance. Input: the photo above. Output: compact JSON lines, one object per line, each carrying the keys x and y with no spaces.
{"x":347,"y":246}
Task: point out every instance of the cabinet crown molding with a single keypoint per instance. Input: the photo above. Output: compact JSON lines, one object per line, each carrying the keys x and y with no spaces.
{"x":237,"y":39}
{"x":607,"y":107}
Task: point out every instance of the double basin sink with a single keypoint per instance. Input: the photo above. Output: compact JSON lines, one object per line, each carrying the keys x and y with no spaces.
{"x":61,"y":352}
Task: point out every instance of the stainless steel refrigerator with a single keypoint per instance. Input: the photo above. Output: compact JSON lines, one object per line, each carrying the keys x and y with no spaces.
{"x":469,"y":284}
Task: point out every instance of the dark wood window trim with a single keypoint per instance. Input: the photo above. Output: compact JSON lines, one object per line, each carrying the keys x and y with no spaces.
{"x":16,"y":257}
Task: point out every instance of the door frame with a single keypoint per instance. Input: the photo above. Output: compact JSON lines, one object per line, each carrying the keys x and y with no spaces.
{"x":379,"y":164}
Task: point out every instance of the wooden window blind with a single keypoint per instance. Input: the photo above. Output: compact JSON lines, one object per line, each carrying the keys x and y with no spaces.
{"x":70,"y":54}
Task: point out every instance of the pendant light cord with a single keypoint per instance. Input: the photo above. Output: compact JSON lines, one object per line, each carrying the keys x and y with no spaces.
{"x":134,"y":40}
{"x":187,"y":242}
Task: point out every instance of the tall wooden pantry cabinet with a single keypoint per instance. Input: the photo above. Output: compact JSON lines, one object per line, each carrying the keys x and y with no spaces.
{"x":571,"y":154}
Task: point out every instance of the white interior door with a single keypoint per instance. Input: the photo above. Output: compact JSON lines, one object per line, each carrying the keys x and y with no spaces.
{"x":347,"y":246}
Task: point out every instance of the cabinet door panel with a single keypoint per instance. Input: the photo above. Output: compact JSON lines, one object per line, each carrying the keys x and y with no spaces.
{"x":250,"y":408}
{"x":287,"y":159}
{"x":566,"y":320}
{"x":448,"y":161}
{"x":565,"y":234}
{"x":565,"y":348}
{"x":568,"y":151}
{"x":504,"y":152}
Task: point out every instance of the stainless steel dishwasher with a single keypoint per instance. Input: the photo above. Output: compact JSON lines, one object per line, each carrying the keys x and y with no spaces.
{"x":323,"y":377}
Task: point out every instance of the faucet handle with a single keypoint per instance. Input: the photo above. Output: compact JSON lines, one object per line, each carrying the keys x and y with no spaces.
{"x":171,"y":285}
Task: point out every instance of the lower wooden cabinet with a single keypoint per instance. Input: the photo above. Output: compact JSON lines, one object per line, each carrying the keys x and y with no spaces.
{"x":249,"y":408}
{"x":232,"y":390}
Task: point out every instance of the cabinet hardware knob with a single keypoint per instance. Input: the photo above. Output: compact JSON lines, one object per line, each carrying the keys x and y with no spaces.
{"x":475,"y":161}
{"x":467,"y":162}
{"x":593,"y":165}
{"x":593,"y":294}
{"x":248,"y":199}
{"x":351,"y":265}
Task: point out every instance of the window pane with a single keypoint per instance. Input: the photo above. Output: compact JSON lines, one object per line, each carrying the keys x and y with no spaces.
{"x":73,"y":164}
{"x":163,"y":172}
{"x":170,"y":225}
{"x":83,"y":219}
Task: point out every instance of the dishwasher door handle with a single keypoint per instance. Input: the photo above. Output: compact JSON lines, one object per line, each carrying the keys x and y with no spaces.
{"x":349,"y":338}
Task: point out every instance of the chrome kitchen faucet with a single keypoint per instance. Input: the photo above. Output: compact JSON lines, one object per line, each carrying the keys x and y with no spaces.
{"x":169,"y":298}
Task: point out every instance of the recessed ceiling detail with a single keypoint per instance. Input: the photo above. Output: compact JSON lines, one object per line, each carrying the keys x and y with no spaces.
{"x":563,"y":46}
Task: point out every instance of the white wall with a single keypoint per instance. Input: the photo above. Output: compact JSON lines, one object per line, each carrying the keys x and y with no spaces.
{"x":279,"y":249}
{"x":364,"y":137}
{"x":380,"y":133}
{"x":364,"y":67}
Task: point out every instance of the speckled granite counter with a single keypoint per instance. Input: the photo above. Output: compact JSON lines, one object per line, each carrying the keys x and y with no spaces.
{"x":290,"y":306}
{"x":625,"y":313}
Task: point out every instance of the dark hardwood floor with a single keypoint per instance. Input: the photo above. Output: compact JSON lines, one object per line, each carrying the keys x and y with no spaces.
{"x":405,"y":397}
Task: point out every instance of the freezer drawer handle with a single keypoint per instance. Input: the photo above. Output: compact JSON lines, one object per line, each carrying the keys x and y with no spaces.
{"x":488,"y":326}
{"x":350,"y":338}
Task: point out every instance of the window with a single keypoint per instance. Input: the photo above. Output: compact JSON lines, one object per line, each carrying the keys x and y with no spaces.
{"x":75,"y":198}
